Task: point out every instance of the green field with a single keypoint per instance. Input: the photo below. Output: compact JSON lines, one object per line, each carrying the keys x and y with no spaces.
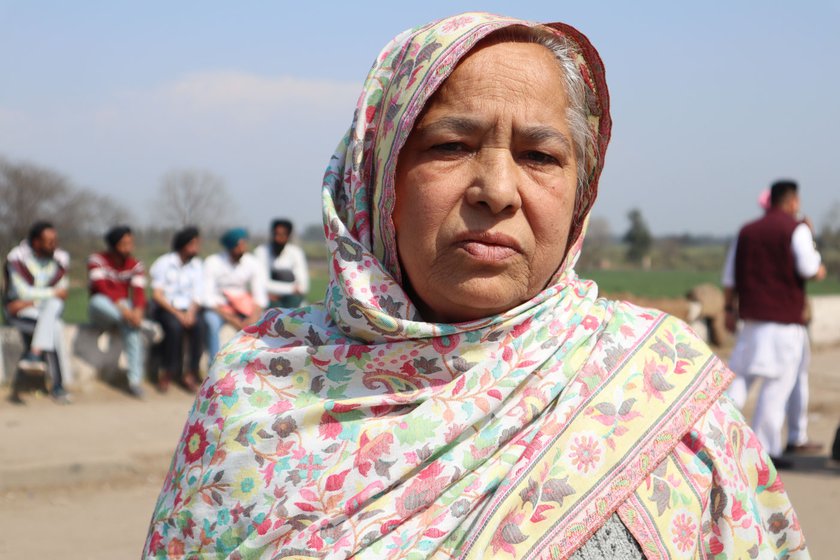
{"x":674,"y":283}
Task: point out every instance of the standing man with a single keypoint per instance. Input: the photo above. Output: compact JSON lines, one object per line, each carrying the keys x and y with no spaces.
{"x":764,"y":281}
{"x":36,"y":288}
{"x":177,"y":285}
{"x":118,"y":300}
{"x":234,"y":288}
{"x":284,"y":267}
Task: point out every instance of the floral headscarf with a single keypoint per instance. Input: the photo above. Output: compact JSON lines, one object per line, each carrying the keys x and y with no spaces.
{"x":354,"y":428}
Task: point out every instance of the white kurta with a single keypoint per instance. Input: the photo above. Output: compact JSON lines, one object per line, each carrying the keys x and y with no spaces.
{"x":777,"y":353}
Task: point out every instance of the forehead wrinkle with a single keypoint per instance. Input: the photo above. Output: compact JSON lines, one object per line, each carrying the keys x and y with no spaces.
{"x":457,"y":124}
{"x":543,"y":133}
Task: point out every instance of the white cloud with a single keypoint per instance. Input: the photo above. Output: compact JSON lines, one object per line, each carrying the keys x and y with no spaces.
{"x":244,"y":99}
{"x":269,"y":137}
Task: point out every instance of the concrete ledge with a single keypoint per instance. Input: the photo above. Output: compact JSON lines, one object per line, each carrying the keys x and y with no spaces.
{"x":93,"y":354}
{"x":825,"y":325}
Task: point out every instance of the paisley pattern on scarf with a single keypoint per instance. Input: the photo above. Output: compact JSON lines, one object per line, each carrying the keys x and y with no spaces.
{"x":354,"y":428}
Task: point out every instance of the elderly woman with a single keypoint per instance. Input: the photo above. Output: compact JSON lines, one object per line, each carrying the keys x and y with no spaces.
{"x":461,"y":392}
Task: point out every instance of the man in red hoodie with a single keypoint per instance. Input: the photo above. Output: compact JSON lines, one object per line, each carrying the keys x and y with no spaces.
{"x":117,"y":298}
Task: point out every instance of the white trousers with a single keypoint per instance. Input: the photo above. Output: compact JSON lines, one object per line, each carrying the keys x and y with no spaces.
{"x":777,"y":355}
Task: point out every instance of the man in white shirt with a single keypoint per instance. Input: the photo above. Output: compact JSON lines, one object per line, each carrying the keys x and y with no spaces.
{"x":764,"y":282}
{"x":234,"y":288}
{"x":177,"y":290}
{"x":284,"y":267}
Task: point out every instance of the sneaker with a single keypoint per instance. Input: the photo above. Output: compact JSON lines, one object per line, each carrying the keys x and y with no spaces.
{"x":152,"y":330}
{"x":60,"y":396}
{"x":782,"y":464}
{"x":136,"y":391}
{"x":30,"y":363}
{"x":190,"y":382}
{"x":14,"y":398}
{"x":808,"y":447}
{"x":163,"y":382}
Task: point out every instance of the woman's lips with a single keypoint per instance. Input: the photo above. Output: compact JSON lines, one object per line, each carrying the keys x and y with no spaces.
{"x":489,"y":246}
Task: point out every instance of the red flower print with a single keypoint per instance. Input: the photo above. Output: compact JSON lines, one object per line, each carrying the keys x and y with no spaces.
{"x":370,"y":112}
{"x":585,"y":453}
{"x":175,"y":548}
{"x":684,"y":532}
{"x":655,"y":382}
{"x":225,"y":386}
{"x":589,"y":323}
{"x":195,"y":442}
{"x":456,"y":23}
{"x":446,"y":344}
{"x":370,"y":450}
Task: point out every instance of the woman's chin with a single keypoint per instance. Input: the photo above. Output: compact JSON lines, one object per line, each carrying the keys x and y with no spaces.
{"x":477,"y":298}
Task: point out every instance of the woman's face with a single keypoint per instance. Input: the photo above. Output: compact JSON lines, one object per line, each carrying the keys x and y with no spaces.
{"x":485,"y":185}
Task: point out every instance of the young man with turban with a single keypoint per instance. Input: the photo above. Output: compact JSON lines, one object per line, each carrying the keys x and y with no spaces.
{"x":234,"y":287}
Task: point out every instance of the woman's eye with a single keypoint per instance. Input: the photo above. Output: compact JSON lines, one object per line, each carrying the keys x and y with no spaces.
{"x":450,"y":147}
{"x":540,"y":158}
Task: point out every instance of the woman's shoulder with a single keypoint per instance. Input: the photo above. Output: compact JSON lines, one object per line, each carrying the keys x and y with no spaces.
{"x":624,"y":311}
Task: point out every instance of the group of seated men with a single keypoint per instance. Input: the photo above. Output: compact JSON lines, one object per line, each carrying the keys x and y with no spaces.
{"x":190,"y":300}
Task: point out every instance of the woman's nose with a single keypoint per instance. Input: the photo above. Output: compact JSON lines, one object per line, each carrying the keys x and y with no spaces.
{"x":496,"y":182}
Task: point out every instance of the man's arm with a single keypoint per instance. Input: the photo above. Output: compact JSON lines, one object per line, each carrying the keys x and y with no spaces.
{"x":808,"y":260}
{"x":301,"y":271}
{"x":730,"y":295}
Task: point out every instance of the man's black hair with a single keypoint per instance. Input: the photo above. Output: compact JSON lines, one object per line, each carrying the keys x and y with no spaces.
{"x":281,"y":222}
{"x":115,"y":234}
{"x":184,"y":236}
{"x":781,"y":190}
{"x":37,"y":229}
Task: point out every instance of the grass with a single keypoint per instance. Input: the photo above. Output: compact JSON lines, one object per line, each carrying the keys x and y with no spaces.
{"x":674,"y":283}
{"x":649,"y":283}
{"x":646,"y":283}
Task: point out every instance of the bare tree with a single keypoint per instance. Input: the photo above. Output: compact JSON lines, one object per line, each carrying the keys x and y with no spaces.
{"x":193,"y":197}
{"x":598,"y":240}
{"x":29,"y":192}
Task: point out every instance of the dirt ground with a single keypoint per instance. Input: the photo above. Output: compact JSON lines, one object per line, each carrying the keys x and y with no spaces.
{"x":80,"y":481}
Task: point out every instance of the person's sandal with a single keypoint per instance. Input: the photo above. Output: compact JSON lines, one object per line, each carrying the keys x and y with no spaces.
{"x":190,"y":383}
{"x":163,"y":382}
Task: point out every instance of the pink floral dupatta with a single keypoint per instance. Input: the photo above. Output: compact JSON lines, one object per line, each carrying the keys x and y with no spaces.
{"x":354,"y":428}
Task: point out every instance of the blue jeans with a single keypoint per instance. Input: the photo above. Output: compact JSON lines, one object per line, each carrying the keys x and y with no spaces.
{"x":214,"y":323}
{"x":105,"y":314}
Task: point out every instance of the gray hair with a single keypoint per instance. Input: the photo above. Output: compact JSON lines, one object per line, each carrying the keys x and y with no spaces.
{"x":577,"y":115}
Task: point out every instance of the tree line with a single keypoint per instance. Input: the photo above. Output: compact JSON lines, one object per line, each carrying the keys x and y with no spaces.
{"x":31,"y":192}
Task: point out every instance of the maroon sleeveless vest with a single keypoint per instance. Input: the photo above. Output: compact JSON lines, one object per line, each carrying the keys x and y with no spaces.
{"x":768,"y":286}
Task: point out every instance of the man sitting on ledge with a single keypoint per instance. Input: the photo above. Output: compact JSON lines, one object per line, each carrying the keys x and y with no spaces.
{"x":118,"y":300}
{"x":36,"y":287}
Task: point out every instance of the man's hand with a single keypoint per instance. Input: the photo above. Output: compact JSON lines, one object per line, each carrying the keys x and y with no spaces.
{"x":61,"y":293}
{"x":187,"y":318}
{"x":821,"y":273}
{"x":731,"y":320}
{"x":18,"y":305}
{"x":132,"y":316}
{"x":253,"y":318}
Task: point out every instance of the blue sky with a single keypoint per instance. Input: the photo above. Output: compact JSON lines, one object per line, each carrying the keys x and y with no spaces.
{"x":711,"y":101}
